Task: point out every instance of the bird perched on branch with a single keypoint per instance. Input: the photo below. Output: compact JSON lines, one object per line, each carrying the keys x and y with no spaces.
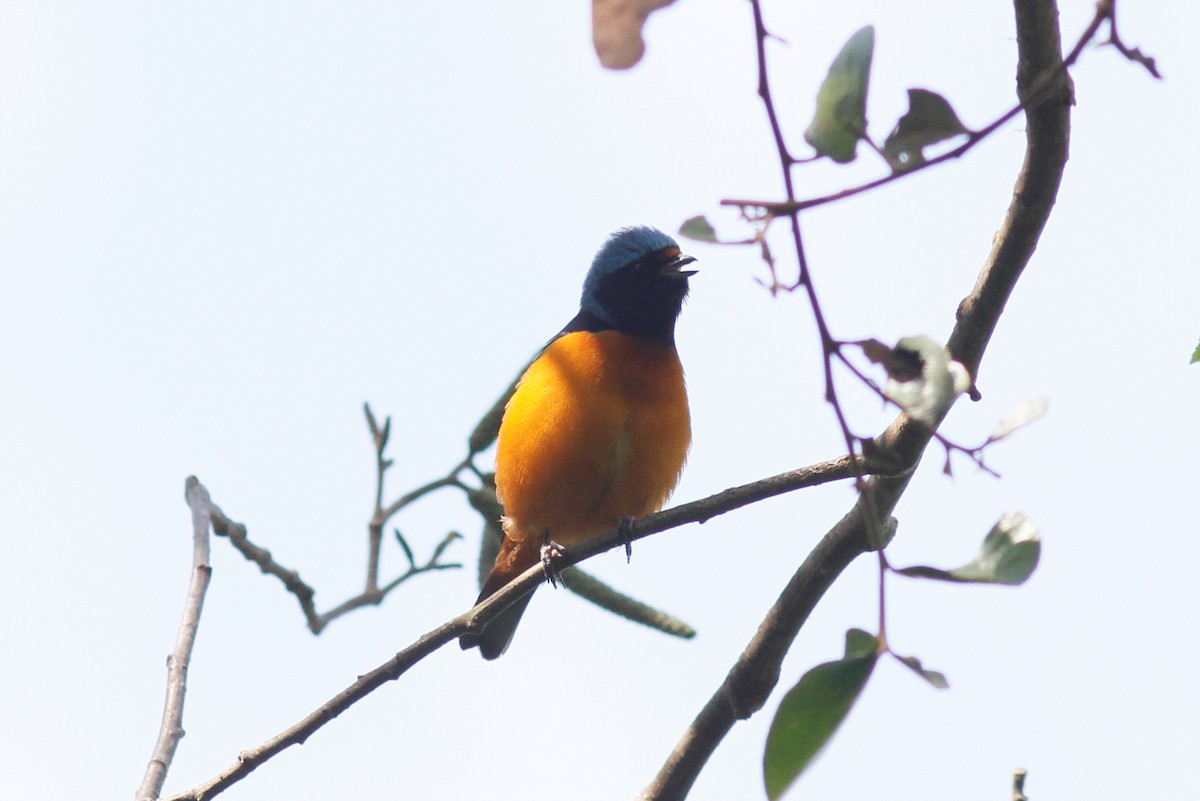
{"x":598,"y":429}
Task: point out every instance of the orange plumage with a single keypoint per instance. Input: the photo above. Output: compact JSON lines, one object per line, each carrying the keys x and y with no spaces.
{"x":598,"y":428}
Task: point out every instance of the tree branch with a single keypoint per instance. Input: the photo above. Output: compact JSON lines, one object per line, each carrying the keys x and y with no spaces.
{"x":475,"y":619}
{"x":171,"y":730}
{"x":305,"y":594}
{"x":756,"y":672}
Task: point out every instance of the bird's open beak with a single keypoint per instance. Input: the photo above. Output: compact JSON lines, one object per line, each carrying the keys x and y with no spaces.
{"x":675,"y":266}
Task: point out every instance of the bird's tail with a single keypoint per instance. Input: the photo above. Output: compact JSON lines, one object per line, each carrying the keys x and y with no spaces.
{"x":494,"y":639}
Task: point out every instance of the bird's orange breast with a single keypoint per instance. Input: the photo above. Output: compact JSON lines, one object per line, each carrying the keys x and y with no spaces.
{"x":598,"y":429}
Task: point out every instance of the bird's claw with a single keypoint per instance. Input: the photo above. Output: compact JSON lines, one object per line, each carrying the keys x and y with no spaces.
{"x":625,"y":532}
{"x":551,"y":550}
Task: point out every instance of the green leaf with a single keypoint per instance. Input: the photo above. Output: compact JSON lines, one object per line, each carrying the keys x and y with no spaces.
{"x":841,"y":116}
{"x":1195,"y":355}
{"x":1023,"y":415}
{"x":935,"y":678}
{"x":930,"y":395}
{"x":930,"y":119}
{"x":811,"y":712}
{"x":404,"y":546}
{"x":593,"y":589}
{"x":860,"y":643}
{"x":1009,"y":555}
{"x":699,"y":229}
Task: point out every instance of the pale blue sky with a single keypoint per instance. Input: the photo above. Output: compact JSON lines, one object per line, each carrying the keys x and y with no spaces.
{"x":223,"y":226}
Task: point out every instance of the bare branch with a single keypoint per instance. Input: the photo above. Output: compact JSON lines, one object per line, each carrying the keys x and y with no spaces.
{"x":379,"y":434}
{"x":248,"y":761}
{"x":372,"y":594}
{"x":475,"y":619}
{"x":448,"y":480}
{"x":305,"y":594}
{"x":1131,"y":53}
{"x":236,"y":532}
{"x":171,"y":730}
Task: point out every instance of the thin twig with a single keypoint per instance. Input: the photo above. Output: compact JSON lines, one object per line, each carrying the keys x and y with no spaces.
{"x":223,"y":526}
{"x":804,"y":275}
{"x":371,"y":593}
{"x":1131,"y":53}
{"x":376,"y":596}
{"x":380,"y":435}
{"x":305,"y":594}
{"x":804,"y":279}
{"x":449,"y":480}
{"x":171,"y":730}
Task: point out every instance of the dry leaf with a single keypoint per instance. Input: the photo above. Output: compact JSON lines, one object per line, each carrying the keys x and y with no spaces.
{"x":617,"y":30}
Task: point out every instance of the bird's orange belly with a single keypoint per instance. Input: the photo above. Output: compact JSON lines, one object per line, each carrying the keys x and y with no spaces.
{"x":598,"y":429}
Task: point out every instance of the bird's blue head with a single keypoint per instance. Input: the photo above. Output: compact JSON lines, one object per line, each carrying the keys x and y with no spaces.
{"x":636,"y":285}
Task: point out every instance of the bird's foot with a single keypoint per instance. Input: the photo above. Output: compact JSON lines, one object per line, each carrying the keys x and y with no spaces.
{"x":625,"y":532}
{"x":551,"y":550}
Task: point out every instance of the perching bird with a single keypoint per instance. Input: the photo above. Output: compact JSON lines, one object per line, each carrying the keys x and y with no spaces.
{"x":598,"y":429}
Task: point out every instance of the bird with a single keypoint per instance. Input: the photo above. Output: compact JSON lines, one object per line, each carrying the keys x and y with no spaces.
{"x":598,"y":429}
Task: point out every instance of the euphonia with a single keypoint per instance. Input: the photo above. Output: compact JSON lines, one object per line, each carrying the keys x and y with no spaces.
{"x":598,"y":429}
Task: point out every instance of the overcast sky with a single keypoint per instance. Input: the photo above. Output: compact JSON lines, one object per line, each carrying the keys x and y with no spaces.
{"x":225,"y":225}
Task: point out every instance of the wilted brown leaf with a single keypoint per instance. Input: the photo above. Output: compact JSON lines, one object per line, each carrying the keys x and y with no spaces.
{"x":617,"y":30}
